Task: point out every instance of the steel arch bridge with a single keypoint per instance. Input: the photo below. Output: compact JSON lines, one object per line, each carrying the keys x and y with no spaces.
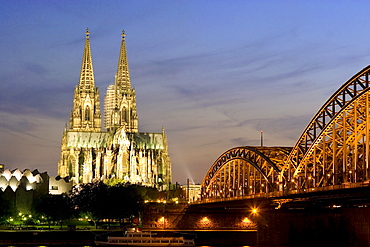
{"x":333,"y":150}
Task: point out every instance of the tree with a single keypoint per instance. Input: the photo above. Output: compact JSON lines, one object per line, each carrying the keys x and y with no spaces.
{"x":53,"y":208}
{"x":6,"y":209}
{"x":90,"y":199}
{"x":124,"y":201}
{"x":101,"y":201}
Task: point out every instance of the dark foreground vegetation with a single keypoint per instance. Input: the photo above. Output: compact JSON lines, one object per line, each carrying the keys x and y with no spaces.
{"x":91,"y":205}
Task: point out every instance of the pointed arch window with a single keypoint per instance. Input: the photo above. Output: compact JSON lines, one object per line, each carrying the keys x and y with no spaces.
{"x":123,"y":113}
{"x":87,"y":113}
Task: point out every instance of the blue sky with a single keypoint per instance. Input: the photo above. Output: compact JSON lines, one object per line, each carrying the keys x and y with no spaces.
{"x":213,"y":73}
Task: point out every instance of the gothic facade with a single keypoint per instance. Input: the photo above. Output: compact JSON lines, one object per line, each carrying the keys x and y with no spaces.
{"x":90,"y":152}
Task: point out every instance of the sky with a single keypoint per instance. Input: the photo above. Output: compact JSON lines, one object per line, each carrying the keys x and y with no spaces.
{"x":213,"y":73}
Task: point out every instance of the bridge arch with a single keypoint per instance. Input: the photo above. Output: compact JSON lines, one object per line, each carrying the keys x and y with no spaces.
{"x":334,"y":147}
{"x":333,"y":150}
{"x":244,"y":170}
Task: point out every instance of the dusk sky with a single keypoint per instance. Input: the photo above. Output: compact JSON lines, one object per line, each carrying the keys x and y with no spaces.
{"x":213,"y":73}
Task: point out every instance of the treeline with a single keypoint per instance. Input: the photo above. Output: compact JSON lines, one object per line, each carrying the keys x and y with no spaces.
{"x":110,"y":201}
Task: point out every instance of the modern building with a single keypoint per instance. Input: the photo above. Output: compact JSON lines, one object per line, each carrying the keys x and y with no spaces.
{"x":21,"y":189}
{"x":90,"y":152}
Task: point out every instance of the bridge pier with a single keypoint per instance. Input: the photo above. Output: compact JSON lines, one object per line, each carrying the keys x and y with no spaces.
{"x":295,"y":223}
{"x":212,"y":225}
{"x":314,"y":226}
{"x":196,"y":217}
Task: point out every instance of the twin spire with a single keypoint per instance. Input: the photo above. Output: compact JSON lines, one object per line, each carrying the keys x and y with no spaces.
{"x":123,"y":74}
{"x":120,"y":99}
{"x":87,"y":72}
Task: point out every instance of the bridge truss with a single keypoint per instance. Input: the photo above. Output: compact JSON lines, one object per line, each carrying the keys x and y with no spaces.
{"x":334,"y":149}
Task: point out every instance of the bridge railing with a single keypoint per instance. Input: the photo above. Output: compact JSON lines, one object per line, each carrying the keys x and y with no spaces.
{"x":276,"y":194}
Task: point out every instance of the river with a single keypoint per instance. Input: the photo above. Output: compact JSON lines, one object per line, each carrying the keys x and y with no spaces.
{"x":86,"y":238}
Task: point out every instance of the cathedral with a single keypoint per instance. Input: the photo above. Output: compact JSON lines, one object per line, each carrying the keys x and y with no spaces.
{"x":90,"y":152}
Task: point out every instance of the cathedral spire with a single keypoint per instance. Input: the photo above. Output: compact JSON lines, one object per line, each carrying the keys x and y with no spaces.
{"x":120,"y":100}
{"x":87,"y":72}
{"x":123,"y":74}
{"x":85,"y":114}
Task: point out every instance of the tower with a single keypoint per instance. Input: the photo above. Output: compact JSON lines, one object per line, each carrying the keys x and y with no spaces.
{"x":85,"y":114}
{"x":120,"y":100}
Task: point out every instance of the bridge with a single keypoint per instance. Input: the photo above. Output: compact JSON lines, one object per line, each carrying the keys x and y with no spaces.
{"x":317,"y":192}
{"x":332,"y":153}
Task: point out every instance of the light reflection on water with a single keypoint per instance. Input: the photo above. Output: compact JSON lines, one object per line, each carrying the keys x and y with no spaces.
{"x":95,"y":246}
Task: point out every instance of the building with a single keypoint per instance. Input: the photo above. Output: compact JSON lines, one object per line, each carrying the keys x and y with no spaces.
{"x":192,"y":191}
{"x":21,"y":189}
{"x":119,"y":151}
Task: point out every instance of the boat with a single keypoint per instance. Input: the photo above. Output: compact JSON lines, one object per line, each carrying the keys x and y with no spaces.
{"x":145,"y":239}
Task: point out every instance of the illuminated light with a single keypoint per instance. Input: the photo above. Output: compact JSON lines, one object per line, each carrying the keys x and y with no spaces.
{"x":17,"y":174}
{"x":7,"y":175}
{"x":146,"y":201}
{"x":328,"y":175}
{"x":205,"y":222}
{"x":246,"y":220}
{"x":292,"y":180}
{"x":14,"y":187}
{"x":177,"y":202}
{"x":31,"y":179}
{"x":164,"y":201}
{"x":263,"y":185}
{"x":205,"y":219}
{"x":350,"y":171}
{"x":254,"y":210}
{"x":250,"y":187}
{"x":162,"y":220}
{"x":309,"y":177}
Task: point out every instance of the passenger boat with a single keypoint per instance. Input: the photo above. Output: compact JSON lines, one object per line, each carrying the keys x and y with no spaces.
{"x":145,"y":239}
